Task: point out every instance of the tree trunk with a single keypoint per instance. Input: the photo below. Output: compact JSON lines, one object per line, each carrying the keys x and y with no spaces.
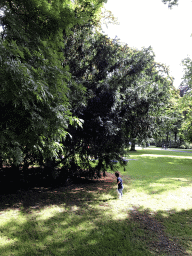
{"x":1,"y":162}
{"x":132,"y":145}
{"x":167,"y":138}
{"x":175,"y":137}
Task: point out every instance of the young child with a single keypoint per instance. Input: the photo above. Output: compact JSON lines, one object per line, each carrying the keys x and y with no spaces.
{"x":120,"y":185}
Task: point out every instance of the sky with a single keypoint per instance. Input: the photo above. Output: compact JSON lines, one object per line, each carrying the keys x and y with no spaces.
{"x":144,"y":23}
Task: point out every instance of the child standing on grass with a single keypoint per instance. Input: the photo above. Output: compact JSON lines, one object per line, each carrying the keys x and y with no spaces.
{"x":120,"y":185}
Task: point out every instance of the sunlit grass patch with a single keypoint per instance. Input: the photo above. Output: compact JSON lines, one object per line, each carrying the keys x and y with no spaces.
{"x":158,"y":181}
{"x":48,"y":212}
{"x":7,"y":216}
{"x":149,"y":151}
{"x":172,"y":156}
{"x":6,"y":241}
{"x":161,"y":181}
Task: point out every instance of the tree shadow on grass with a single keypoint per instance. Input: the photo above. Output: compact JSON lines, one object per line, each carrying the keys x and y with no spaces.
{"x":72,"y":226}
{"x":170,"y":231}
{"x":39,"y":197}
{"x":86,"y":232}
{"x":73,"y":238}
{"x":72,"y":221}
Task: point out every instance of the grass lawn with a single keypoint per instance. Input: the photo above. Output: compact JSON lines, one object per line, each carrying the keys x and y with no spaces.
{"x":153,"y":218}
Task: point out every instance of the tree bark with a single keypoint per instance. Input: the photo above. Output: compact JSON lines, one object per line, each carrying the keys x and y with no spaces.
{"x":133,"y":145}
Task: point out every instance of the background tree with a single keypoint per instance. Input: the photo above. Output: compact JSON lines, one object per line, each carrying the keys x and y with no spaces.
{"x":167,"y":131}
{"x":186,"y":101}
{"x":145,"y":97}
{"x":186,"y":130}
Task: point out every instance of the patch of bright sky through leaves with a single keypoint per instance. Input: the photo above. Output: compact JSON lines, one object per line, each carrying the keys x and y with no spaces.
{"x":144,"y":23}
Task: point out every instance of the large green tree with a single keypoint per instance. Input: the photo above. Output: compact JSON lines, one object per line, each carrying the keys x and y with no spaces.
{"x":35,"y":109}
{"x":124,"y":90}
{"x":68,"y":89}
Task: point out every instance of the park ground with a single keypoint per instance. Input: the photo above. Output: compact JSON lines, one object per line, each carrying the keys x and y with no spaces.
{"x":153,"y":218}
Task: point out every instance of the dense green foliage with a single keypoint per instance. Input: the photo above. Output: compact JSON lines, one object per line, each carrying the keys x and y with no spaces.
{"x":68,"y":90}
{"x":126,"y":91}
{"x":34,"y":80}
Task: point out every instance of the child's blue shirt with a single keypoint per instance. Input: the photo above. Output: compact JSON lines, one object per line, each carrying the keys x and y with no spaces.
{"x":120,"y":185}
